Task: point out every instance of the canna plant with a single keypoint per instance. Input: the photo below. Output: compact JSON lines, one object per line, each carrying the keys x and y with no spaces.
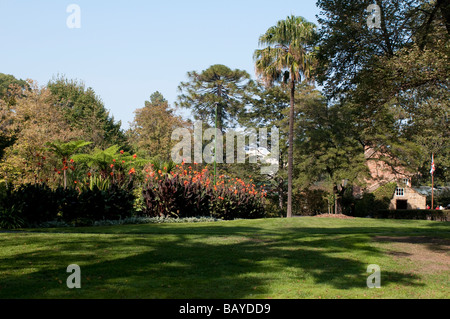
{"x":189,"y":192}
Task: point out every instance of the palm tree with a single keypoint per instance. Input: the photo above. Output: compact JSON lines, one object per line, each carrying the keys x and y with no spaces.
{"x":286,"y":58}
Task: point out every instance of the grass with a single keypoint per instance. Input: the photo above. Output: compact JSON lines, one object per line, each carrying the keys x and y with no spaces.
{"x":270,"y":258}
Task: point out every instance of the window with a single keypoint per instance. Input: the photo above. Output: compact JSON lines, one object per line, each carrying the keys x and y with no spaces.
{"x":400,"y":192}
{"x":405,"y":181}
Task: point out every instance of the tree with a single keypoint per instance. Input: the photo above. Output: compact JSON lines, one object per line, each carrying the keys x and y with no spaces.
{"x":287,"y":58}
{"x":33,"y":121}
{"x":85,"y":111}
{"x":328,"y":154}
{"x":216,"y":86}
{"x":395,"y":77}
{"x":152,"y":127}
{"x":268,"y":107}
{"x":10,"y":88}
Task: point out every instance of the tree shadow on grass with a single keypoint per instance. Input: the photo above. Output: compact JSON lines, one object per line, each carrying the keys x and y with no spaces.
{"x":213,"y":263}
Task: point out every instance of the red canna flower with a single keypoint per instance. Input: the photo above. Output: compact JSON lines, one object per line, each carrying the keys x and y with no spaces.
{"x":134,"y":156}
{"x":121,"y":152}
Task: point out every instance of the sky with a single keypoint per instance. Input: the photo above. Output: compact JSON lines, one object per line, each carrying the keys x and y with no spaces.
{"x":126,"y":50}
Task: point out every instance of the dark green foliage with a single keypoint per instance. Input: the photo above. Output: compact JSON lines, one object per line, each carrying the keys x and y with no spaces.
{"x":216,"y":85}
{"x":10,"y":219}
{"x":96,"y":204}
{"x":310,"y":202}
{"x":85,"y":110}
{"x":35,"y":203}
{"x":373,"y":202}
{"x":31,"y":205}
{"x":441,"y":198}
{"x":437,"y":215}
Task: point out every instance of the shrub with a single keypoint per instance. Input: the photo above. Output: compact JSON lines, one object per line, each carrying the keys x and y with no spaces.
{"x":38,"y":204}
{"x":186,"y":192}
{"x":379,"y":199}
{"x":97,"y":204}
{"x":35,"y":203}
{"x":424,"y":214}
{"x":10,"y":218}
{"x":310,"y":202}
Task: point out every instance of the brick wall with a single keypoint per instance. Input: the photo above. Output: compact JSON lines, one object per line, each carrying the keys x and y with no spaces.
{"x":414,"y":199}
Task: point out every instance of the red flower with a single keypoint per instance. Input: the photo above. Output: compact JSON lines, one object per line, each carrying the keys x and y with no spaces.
{"x":134,"y":156}
{"x":121,"y":152}
{"x":112,"y":165}
{"x":132,"y":171}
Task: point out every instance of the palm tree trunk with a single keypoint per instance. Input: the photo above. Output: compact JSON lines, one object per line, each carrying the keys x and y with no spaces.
{"x":291,"y":151}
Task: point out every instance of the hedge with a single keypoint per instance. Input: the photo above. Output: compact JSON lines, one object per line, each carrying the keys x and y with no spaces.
{"x":424,"y":214}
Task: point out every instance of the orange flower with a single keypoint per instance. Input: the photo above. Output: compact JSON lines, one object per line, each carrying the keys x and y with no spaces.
{"x":134,"y":156}
{"x":112,"y":165}
{"x":132,"y":171}
{"x":121,"y":152}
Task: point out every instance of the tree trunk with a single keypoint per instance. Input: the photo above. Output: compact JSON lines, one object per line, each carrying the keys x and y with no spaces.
{"x":65,"y":179}
{"x":291,"y":150}
{"x":280,"y":195}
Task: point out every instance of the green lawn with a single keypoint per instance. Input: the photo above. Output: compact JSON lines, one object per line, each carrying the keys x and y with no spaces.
{"x":274,"y":258}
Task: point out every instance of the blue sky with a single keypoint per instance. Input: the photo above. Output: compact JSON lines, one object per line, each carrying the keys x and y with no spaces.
{"x":126,"y":50}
